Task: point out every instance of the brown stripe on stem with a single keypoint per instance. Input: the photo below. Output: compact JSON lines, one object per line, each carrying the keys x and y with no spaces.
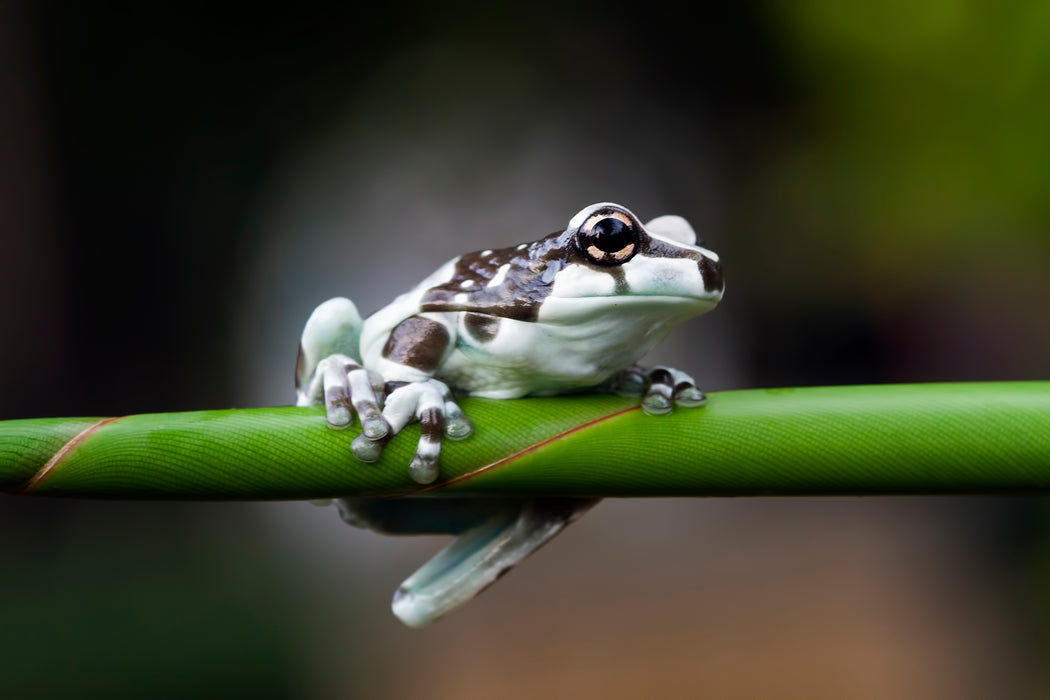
{"x":523,"y":452}
{"x":57,"y":458}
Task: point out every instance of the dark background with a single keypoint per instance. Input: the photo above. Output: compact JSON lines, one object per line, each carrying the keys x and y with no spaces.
{"x":181,"y":184}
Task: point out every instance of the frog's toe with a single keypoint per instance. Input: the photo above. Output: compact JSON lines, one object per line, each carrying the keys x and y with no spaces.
{"x":423,"y":470}
{"x":658,"y":398}
{"x":656,"y":404}
{"x":425,"y":401}
{"x":365,"y":395}
{"x":457,"y":425}
{"x":688,"y":395}
{"x":424,"y":466}
{"x":368,"y":450}
{"x":664,"y":388}
{"x":334,"y":375}
{"x":684,"y":391}
{"x":347,"y":388}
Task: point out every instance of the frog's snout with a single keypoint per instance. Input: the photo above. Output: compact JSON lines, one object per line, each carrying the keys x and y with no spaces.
{"x":711,"y":272}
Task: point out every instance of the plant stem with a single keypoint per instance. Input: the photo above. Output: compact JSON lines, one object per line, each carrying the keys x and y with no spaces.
{"x":858,"y":440}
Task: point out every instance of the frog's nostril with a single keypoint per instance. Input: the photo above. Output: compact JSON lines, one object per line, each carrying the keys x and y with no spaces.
{"x":711,"y":271}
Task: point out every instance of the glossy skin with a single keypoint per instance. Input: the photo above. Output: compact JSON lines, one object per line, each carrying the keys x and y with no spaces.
{"x":574,"y":310}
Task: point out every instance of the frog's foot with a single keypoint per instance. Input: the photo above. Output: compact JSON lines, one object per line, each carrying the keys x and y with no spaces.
{"x":431,"y":403}
{"x":493,"y":536}
{"x":345,"y":388}
{"x":659,"y":387}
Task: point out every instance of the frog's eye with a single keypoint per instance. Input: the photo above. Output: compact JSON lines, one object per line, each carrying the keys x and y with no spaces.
{"x":608,"y":239}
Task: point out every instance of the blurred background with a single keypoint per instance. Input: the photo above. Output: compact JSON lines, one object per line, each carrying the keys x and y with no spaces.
{"x":181,"y":183}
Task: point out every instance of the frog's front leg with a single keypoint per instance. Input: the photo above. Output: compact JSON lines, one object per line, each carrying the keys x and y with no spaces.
{"x":660,"y":388}
{"x":431,"y":403}
{"x":413,"y":351}
{"x":396,"y":388}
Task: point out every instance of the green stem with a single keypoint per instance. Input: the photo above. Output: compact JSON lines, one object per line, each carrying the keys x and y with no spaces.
{"x":905,"y":439}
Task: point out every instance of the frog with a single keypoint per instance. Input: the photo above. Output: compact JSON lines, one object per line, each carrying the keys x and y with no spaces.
{"x":572,"y":311}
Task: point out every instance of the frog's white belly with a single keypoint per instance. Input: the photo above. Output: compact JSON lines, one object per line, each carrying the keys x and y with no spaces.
{"x":539,"y":358}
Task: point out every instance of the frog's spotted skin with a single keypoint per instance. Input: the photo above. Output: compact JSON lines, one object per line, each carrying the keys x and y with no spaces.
{"x":417,"y":342}
{"x":481,"y":328}
{"x":573,"y":310}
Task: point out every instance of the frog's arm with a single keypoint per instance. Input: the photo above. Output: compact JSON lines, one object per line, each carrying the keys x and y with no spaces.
{"x":412,"y":351}
{"x":396,"y":387}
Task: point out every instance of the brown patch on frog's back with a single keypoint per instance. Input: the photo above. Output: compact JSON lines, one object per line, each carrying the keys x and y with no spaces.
{"x":482,"y":327}
{"x":417,"y":342}
{"x":530,"y":272}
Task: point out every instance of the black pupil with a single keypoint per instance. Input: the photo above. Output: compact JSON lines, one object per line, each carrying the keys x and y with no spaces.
{"x":611,"y":235}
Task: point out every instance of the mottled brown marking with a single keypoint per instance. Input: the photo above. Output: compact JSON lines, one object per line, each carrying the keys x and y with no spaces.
{"x":661,"y":376}
{"x":683,"y":386}
{"x":341,"y":398}
{"x":530,"y":275}
{"x":430,"y":424}
{"x":711,"y":271}
{"x":482,"y":327}
{"x":390,"y":387}
{"x":417,"y":342}
{"x":655,"y":248}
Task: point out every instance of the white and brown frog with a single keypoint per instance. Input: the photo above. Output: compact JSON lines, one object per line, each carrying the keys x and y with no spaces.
{"x":572,"y":311}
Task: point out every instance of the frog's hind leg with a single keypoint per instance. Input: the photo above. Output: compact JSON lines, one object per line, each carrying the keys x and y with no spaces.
{"x":479,"y":556}
{"x":328,"y":370}
{"x":334,"y":328}
{"x":493,"y":536}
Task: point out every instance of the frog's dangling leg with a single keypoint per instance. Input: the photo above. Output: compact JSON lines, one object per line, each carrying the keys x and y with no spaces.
{"x":493,"y":536}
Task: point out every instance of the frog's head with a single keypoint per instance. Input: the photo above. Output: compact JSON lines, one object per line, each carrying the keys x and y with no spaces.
{"x":605,"y":263}
{"x":610,"y":260}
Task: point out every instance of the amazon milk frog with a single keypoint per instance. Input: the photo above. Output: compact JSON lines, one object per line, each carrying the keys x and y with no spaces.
{"x":574,"y":310}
